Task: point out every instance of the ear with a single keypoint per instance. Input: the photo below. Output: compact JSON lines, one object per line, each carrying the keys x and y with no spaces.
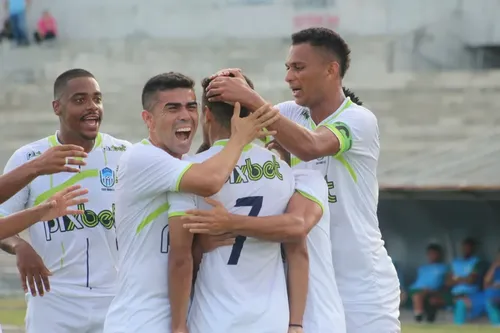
{"x":56,"y":106}
{"x":208,"y":115}
{"x":334,"y":68}
{"x":147,"y":117}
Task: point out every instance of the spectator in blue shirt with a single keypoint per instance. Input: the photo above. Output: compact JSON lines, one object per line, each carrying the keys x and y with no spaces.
{"x":426,"y":291}
{"x":492,"y":291}
{"x":16,"y":10}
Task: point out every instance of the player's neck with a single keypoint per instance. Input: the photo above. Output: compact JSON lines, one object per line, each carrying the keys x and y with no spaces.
{"x":221,"y":134}
{"x":157,"y":143}
{"x":68,"y":138}
{"x":327,"y":106}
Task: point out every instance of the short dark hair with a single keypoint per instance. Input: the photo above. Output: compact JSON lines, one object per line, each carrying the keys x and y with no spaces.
{"x":163,"y":82}
{"x":222,"y":112}
{"x":63,"y":79}
{"x":435,"y":247}
{"x":470,"y":241}
{"x":355,"y":99}
{"x":329,"y":40}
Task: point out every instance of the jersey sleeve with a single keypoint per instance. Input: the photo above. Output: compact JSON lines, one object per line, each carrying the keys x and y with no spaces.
{"x":311,"y":185}
{"x":19,"y":200}
{"x":154,"y":170}
{"x":355,"y":129}
{"x":288,"y":110}
{"x":180,"y":203}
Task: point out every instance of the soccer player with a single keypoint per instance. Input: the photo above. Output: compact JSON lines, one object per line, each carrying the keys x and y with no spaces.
{"x":326,"y":131}
{"x":79,"y":252}
{"x":146,"y":173}
{"x":239,"y":288}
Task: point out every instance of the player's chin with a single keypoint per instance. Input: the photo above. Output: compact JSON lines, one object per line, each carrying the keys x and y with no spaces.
{"x":300,"y":101}
{"x":182,"y":146}
{"x":90,"y":134}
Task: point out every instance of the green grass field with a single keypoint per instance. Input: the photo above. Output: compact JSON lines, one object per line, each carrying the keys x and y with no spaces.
{"x":12,"y":313}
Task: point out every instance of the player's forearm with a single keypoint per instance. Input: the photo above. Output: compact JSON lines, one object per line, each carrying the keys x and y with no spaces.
{"x":10,"y":244}
{"x":207,"y":178}
{"x":15,"y":180}
{"x":298,"y":279}
{"x":180,"y":275}
{"x":13,"y":224}
{"x":296,"y":139}
{"x":278,"y":228}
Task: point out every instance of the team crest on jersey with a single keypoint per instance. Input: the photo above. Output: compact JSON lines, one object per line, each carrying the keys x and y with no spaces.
{"x":107,"y":179}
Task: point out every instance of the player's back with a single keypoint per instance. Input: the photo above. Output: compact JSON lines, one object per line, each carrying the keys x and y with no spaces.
{"x":242,"y":288}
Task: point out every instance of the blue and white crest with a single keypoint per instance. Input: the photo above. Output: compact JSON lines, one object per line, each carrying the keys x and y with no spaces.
{"x":107,"y":177}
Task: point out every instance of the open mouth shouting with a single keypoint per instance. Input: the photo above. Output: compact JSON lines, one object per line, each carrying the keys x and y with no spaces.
{"x":183,"y":133}
{"x":91,"y":121}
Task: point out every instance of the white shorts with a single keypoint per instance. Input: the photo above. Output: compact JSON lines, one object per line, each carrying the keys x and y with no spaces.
{"x":62,"y":314}
{"x":364,"y":318}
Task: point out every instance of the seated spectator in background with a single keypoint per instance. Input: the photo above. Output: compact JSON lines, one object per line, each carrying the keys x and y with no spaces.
{"x":492,"y":291}
{"x":6,"y":32}
{"x":46,"y":28}
{"x":465,"y":284}
{"x":16,"y":10}
{"x":428,"y":289}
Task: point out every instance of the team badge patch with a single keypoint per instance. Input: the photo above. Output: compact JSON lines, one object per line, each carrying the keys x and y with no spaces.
{"x":107,"y":177}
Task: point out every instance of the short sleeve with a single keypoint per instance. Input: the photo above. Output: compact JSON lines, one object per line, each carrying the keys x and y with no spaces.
{"x":356,"y":129}
{"x":19,"y":200}
{"x":288,"y":110}
{"x":152,"y":170}
{"x":180,"y":203}
{"x":310,"y":184}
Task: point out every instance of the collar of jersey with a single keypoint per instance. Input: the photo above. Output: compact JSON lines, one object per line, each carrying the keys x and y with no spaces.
{"x":224,"y":142}
{"x":344,"y":106}
{"x":54,"y":141}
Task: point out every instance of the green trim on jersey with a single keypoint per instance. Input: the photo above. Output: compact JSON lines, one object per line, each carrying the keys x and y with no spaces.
{"x":152,"y":216}
{"x":92,"y":173}
{"x":145,"y":142}
{"x":53,"y":141}
{"x":343,"y":134}
{"x":178,"y":183}
{"x":223,"y":143}
{"x":63,"y":250}
{"x":176,"y":214}
{"x":310,"y":197}
{"x":294,"y":161}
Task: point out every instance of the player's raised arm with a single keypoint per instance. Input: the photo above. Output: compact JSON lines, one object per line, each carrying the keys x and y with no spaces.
{"x":180,"y":261}
{"x":56,"y":159}
{"x":207,"y":178}
{"x":56,"y":206}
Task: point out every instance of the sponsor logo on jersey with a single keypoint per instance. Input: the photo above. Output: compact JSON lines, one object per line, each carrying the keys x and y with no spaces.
{"x":33,"y":154}
{"x":71,"y":223}
{"x":305,"y":114}
{"x":252,"y":172}
{"x":108,"y":178}
{"x":115,"y":148}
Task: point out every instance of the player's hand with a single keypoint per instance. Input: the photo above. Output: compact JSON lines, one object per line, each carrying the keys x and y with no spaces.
{"x":59,"y":204}
{"x":229,"y":86}
{"x":247,"y":129}
{"x":60,"y":158}
{"x":32,"y":270}
{"x":282,"y":152}
{"x":213,"y":222}
{"x":208,"y":243}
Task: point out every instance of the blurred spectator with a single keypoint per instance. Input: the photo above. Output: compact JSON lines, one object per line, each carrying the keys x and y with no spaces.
{"x":17,"y":18}
{"x":465,"y":284}
{"x":46,"y":28}
{"x":427,"y":292}
{"x":6,"y":32}
{"x":492,"y":291}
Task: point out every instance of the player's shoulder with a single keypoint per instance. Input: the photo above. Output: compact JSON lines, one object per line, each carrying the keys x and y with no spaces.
{"x":290,"y":109}
{"x":203,"y":156}
{"x":32,"y":149}
{"x":311,"y":183}
{"x":357,"y":113}
{"x":110,"y":143}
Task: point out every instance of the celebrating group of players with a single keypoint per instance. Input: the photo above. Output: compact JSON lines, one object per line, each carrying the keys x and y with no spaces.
{"x":235,"y":239}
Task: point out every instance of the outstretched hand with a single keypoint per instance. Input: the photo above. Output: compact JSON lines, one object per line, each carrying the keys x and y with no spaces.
{"x":60,"y":204}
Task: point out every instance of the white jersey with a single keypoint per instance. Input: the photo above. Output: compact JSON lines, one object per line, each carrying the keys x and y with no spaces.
{"x":80,"y":251}
{"x":324,"y":312}
{"x":242,"y":288}
{"x":364,"y":271}
{"x":145,"y":174}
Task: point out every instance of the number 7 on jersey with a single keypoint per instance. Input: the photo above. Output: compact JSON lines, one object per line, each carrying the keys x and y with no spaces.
{"x":256,"y":204}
